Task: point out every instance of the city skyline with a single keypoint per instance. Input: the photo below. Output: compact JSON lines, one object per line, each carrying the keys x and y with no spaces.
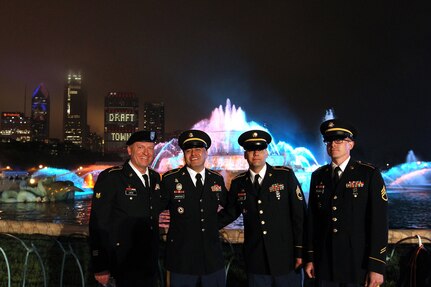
{"x":284,"y":64}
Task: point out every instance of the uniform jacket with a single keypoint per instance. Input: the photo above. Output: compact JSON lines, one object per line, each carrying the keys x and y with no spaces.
{"x":124,"y":232}
{"x":347,"y":224}
{"x":274,"y":220}
{"x":193,"y":244}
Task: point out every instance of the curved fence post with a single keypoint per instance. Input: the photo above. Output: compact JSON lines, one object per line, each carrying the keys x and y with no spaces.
{"x":7,"y":267}
{"x":71,"y":252}
{"x":27,"y":255}
{"x":225,"y":239}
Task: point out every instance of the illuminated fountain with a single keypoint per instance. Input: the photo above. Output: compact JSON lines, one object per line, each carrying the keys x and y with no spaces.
{"x":411,"y":175}
{"x":224,"y":126}
{"x":50,"y":184}
{"x":225,"y":154}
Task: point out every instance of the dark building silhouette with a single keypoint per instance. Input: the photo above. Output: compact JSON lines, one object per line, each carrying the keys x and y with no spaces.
{"x":121,"y":120}
{"x":40,"y":114}
{"x":154,"y":119}
{"x":95,"y":142}
{"x":75,"y":125}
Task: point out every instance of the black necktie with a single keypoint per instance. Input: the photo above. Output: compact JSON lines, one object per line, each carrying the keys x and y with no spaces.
{"x":336,"y":175}
{"x":199,"y":185}
{"x":147,"y":185}
{"x":256,"y":182}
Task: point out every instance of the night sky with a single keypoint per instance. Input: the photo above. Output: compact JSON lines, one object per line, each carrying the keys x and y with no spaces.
{"x":283,"y":63}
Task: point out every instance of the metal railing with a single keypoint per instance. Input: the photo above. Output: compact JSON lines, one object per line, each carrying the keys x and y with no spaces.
{"x":30,"y":248}
{"x":28,"y":260}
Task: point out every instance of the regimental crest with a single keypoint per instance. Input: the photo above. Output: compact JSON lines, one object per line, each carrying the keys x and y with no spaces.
{"x":98,"y":195}
{"x":179,"y":186}
{"x":157,"y":187}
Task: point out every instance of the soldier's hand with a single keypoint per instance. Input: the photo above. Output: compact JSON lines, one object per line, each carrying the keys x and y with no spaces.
{"x":373,"y":279}
{"x":102,"y":277}
{"x":309,"y":269}
{"x":298,"y":263}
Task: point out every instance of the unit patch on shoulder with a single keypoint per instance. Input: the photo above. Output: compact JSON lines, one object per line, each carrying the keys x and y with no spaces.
{"x":384,"y":194}
{"x":299,"y":193}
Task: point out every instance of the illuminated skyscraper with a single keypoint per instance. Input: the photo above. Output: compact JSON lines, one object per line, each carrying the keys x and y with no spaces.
{"x":154,"y":119}
{"x":121,"y":120}
{"x":75,"y":129}
{"x":40,"y":114}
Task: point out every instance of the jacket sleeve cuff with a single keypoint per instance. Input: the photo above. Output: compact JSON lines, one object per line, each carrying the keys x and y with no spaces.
{"x":309,"y":256}
{"x":376,"y":265}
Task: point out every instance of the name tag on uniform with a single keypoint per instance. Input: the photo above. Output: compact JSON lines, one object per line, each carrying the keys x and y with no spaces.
{"x":179,"y":194}
{"x":130,"y":191}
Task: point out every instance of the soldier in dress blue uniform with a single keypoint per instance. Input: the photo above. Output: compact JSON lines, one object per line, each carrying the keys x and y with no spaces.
{"x":193,"y":195}
{"x":273,"y":207}
{"x":124,"y":231}
{"x":347,"y":230}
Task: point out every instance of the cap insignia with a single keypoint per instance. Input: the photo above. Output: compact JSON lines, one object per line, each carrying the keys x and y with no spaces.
{"x":254,"y":135}
{"x":190,"y":135}
{"x":152,"y":135}
{"x":330,"y":125}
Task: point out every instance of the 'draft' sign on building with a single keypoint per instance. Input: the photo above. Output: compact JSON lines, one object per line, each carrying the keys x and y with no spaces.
{"x":121,"y":120}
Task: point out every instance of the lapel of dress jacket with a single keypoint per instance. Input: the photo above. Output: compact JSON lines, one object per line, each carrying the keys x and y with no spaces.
{"x":188,"y":183}
{"x":207,"y":183}
{"x":266,"y":181}
{"x":326,"y":180}
{"x":133,"y":177}
{"x":248,"y":184}
{"x":344,"y":176}
{"x":153,"y":180}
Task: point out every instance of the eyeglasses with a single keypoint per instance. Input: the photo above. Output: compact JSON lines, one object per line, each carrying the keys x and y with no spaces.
{"x":336,"y":141}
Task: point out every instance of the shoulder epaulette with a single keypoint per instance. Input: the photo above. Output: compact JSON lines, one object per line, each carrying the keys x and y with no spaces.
{"x":366,"y":164}
{"x":321,"y":167}
{"x":172,"y":171}
{"x":240,"y":175}
{"x":115,"y":168}
{"x":214,"y":172}
{"x":280,"y":167}
{"x":154,"y":172}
